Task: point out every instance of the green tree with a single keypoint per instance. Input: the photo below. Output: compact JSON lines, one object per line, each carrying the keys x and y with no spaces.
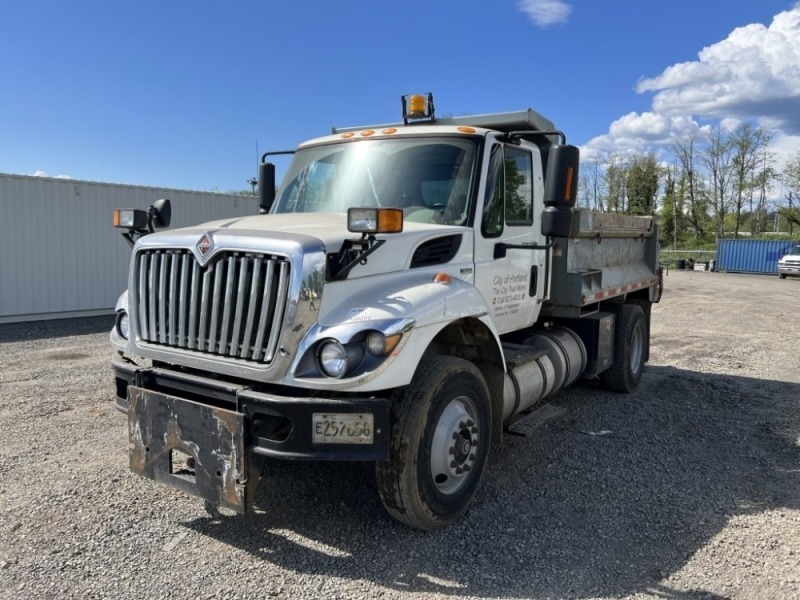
{"x":716,"y":157}
{"x":642,"y":182}
{"x":671,"y":217}
{"x":748,"y":146}
{"x":686,"y":151}
{"x":615,"y":179}
{"x":591,"y":184}
{"x":790,"y":176}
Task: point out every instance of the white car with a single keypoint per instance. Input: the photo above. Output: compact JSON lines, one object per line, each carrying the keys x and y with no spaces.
{"x":790,"y":264}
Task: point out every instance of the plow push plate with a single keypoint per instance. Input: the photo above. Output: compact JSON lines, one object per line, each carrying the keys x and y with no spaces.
{"x":190,"y":446}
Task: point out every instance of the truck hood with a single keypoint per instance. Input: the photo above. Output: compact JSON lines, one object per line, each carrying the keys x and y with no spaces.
{"x":311,"y":229}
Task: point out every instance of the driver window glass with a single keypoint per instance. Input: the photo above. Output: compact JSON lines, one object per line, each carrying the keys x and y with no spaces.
{"x":519,"y":186}
{"x":492,"y":221}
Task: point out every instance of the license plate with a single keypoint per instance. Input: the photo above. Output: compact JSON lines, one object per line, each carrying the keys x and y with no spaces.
{"x":342,"y":428}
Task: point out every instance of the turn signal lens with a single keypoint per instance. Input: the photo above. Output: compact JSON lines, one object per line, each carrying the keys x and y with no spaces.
{"x":568,"y":186}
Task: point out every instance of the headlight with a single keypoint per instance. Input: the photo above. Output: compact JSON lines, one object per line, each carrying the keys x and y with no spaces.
{"x":123,"y":324}
{"x":333,"y":359}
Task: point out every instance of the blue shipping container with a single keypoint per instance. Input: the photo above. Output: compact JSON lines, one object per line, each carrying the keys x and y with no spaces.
{"x":752,"y":256}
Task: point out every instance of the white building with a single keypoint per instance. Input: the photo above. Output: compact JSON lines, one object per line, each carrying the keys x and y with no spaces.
{"x":60,"y":256}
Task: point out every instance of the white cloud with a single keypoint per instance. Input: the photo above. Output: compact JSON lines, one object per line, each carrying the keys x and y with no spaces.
{"x":753,"y":74}
{"x":636,"y":133}
{"x":44,"y":174}
{"x":545,"y":13}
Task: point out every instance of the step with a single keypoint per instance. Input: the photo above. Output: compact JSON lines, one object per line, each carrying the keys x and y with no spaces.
{"x":530,"y":422}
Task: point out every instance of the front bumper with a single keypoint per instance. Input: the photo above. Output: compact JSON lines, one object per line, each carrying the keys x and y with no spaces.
{"x":226,"y":429}
{"x":792,"y":270}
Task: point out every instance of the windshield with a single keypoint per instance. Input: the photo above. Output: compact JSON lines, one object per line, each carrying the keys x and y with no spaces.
{"x":429,"y":178}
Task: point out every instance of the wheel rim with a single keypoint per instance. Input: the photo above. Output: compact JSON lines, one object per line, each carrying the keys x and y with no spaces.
{"x":454,"y":450}
{"x":637,"y":348}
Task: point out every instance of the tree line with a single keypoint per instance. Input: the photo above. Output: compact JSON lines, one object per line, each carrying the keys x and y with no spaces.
{"x":712,"y":185}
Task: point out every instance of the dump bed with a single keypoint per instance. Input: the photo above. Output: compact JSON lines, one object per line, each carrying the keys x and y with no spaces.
{"x":607,"y":255}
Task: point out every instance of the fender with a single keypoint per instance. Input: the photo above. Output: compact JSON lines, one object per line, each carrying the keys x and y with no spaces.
{"x":409,"y":301}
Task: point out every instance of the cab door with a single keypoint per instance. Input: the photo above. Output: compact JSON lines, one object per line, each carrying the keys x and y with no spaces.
{"x":510,"y":279}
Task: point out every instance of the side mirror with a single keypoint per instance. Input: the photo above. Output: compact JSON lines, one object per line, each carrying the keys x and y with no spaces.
{"x":266,"y":186}
{"x":161,"y":213}
{"x":560,"y":190}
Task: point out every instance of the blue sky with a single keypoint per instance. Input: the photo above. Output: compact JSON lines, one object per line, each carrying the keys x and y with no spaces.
{"x":178,"y":93}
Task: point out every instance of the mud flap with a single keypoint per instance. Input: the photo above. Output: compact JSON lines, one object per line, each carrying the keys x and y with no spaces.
{"x":193,"y":447}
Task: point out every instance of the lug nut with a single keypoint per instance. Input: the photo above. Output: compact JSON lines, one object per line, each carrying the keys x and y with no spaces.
{"x":470,"y":422}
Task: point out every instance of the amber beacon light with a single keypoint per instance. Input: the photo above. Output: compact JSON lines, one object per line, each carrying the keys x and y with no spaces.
{"x":417,"y":107}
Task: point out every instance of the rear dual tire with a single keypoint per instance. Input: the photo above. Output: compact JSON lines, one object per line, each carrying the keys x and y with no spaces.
{"x":630,"y":348}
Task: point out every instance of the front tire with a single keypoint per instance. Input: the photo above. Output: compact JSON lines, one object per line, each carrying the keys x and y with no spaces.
{"x":630,"y":349}
{"x":441,"y":435}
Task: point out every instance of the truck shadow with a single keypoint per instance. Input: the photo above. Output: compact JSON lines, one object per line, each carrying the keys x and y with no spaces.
{"x":609,"y":499}
{"x":56,"y":328}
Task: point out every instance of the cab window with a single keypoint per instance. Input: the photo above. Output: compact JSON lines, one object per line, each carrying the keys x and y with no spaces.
{"x":519,"y":186}
{"x":509,"y":187}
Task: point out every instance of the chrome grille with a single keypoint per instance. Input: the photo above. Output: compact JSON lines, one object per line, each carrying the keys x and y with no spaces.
{"x":231,"y":307}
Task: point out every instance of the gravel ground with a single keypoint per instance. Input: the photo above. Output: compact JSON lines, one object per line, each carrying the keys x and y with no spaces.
{"x":689,"y":488}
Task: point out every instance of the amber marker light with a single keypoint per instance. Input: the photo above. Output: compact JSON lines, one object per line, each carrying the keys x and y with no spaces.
{"x":391,"y":342}
{"x":441,"y":278}
{"x":347,"y":135}
{"x":389,"y":131}
{"x":367,"y":133}
{"x":390,"y":220}
{"x":466,"y":130}
{"x":568,"y":186}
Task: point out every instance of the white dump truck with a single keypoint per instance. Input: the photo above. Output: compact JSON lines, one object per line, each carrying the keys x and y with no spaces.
{"x":413,"y":292}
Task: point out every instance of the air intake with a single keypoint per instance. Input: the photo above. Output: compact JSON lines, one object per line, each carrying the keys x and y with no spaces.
{"x":436,"y":251}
